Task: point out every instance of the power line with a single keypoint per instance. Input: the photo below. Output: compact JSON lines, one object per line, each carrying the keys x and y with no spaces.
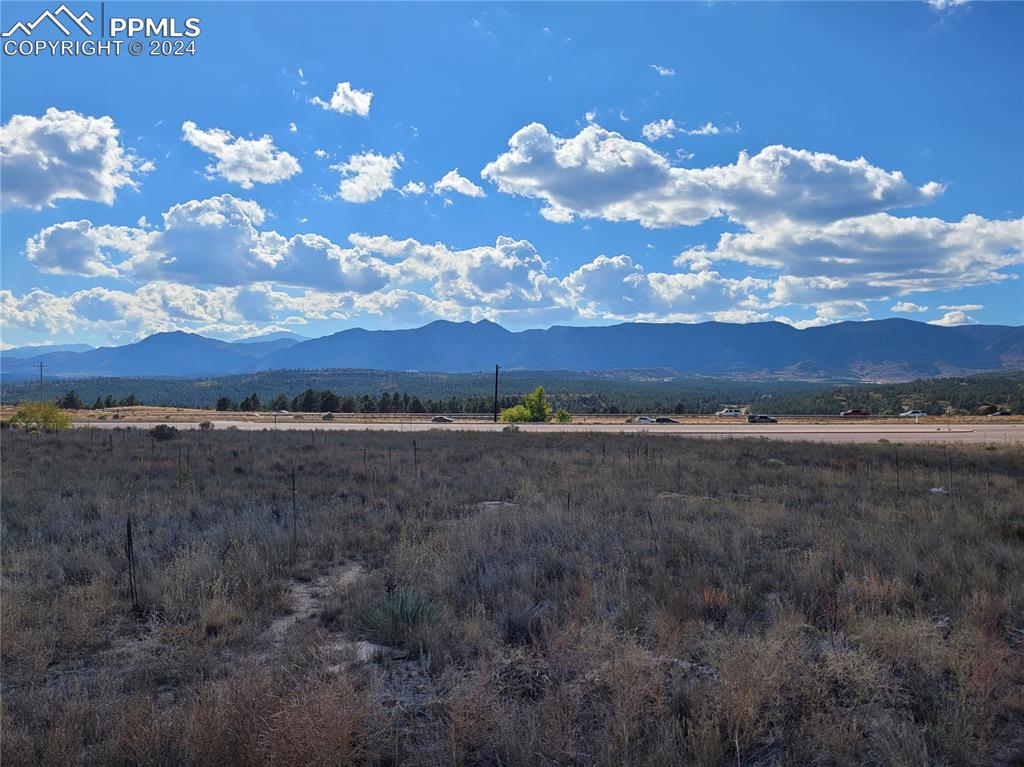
{"x":40,"y":365}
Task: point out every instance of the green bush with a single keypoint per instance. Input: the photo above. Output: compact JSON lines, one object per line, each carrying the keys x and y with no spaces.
{"x":40,"y":416}
{"x":516,"y":414}
{"x":563,"y":416}
{"x":535,"y":409}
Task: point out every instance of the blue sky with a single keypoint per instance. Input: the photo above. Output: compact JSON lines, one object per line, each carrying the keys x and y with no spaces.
{"x":805,"y":162}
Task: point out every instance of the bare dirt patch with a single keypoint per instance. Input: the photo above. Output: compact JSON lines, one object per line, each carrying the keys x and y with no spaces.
{"x":306,"y":600}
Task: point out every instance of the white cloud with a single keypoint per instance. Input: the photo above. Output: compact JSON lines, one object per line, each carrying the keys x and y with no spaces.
{"x":509,"y":274}
{"x":664,"y":71}
{"x":293,"y":128}
{"x":667,"y":128}
{"x":77,"y":247}
{"x":320,"y":153}
{"x":875,"y":256}
{"x":963,"y":307}
{"x":413,"y":188}
{"x":710,"y":129}
{"x":124,"y":316}
{"x":599,"y":173}
{"x":659,"y":129}
{"x":453,"y":182}
{"x":239,"y":160}
{"x":217,"y":241}
{"x":619,"y":288}
{"x":64,"y":156}
{"x":955,"y":317}
{"x":907,"y":307}
{"x":367,"y":176}
{"x":946,"y":5}
{"x":347,"y":100}
{"x":37,"y":311}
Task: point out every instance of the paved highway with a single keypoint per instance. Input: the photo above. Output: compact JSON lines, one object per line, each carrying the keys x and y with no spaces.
{"x":974,"y":433}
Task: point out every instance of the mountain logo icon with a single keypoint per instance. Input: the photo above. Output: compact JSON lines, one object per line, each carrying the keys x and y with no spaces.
{"x":62,"y":12}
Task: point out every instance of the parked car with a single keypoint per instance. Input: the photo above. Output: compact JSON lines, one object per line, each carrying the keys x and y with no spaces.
{"x":998,"y":412}
{"x":665,"y":419}
{"x":729,"y":411}
{"x":643,"y":419}
{"x":913,"y":414}
{"x":761,"y":419}
{"x":442,"y":419}
{"x":855,"y":414}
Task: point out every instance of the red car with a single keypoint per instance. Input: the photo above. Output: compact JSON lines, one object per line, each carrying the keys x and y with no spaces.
{"x":854,"y":414}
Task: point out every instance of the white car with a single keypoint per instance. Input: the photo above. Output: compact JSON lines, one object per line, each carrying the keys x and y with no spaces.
{"x":729,"y":411}
{"x":644,"y":419}
{"x":914,"y":414}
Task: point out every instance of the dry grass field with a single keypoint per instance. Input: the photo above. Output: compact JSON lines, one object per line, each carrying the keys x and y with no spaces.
{"x":349,"y":598}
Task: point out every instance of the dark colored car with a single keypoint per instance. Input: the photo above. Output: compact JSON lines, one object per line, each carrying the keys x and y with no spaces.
{"x":761,"y":419}
{"x":855,"y":414}
{"x":665,"y":419}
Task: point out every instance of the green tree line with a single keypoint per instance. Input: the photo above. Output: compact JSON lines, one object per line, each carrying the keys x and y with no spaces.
{"x":471,"y":393}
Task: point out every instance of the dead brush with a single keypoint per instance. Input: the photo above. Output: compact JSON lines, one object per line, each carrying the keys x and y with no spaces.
{"x":872,"y":592}
{"x":809,"y":617}
{"x":752,"y":670}
{"x":324,"y":722}
{"x":638,"y":697}
{"x":471,"y":717}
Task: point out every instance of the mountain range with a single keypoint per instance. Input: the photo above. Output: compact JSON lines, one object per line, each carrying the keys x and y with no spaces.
{"x":874,"y":350}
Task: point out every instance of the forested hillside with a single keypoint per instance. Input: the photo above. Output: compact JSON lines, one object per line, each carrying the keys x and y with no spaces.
{"x":614,"y":392}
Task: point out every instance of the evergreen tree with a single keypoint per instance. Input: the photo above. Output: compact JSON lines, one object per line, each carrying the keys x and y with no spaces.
{"x":71,"y":401}
{"x":329,"y":402}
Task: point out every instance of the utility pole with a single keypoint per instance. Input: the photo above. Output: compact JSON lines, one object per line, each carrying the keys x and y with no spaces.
{"x":40,"y":365}
{"x":495,"y":393}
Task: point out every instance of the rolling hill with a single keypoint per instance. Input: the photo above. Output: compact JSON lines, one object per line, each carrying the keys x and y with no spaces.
{"x":878,"y":350}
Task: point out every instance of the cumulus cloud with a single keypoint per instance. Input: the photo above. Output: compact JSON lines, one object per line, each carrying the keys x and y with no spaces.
{"x":875,"y":256}
{"x":618,"y":287}
{"x":413,"y":188}
{"x":907,"y":307}
{"x":240,"y":160}
{"x":453,"y":182}
{"x":600,"y":174}
{"x":659,"y":129}
{"x":125,"y":316}
{"x":367,"y":176}
{"x":77,"y":247}
{"x":347,"y":100}
{"x":664,"y":71}
{"x":64,"y":156}
{"x":955,"y":317}
{"x":37,"y":311}
{"x":510,"y":274}
{"x":217,"y":241}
